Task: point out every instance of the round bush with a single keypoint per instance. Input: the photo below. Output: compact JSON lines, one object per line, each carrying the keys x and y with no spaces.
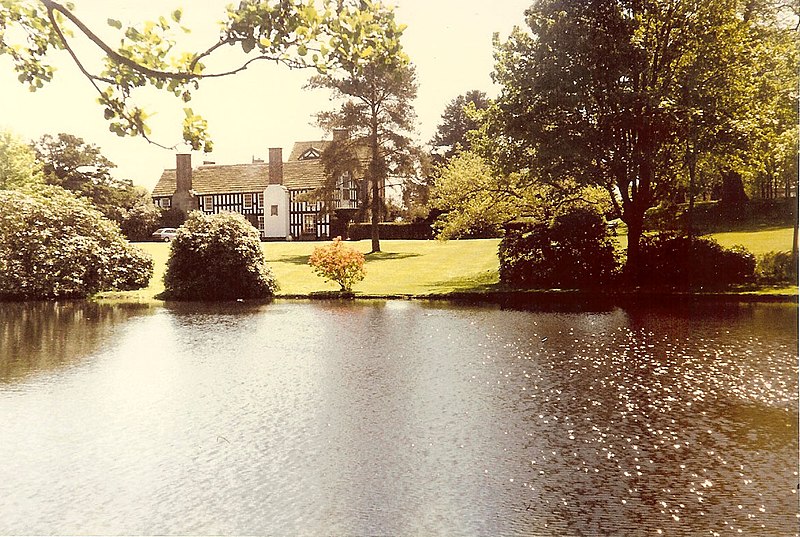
{"x":775,"y":267}
{"x":338,"y":263}
{"x":217,"y":257}
{"x":55,"y":245}
{"x":682,"y":263}
{"x":572,"y":251}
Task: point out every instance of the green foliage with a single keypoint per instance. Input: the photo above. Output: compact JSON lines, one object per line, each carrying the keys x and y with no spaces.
{"x":71,"y":163}
{"x":376,"y":109}
{"x":54,"y":245}
{"x":217,"y":257}
{"x":327,"y":35}
{"x":338,"y":263}
{"x":571,"y":251}
{"x":18,"y":167}
{"x":476,"y":200}
{"x":141,"y":220}
{"x":630,"y":96}
{"x":458,"y":119}
{"x":678,"y":262}
{"x":776,"y":267}
{"x":470,"y":196}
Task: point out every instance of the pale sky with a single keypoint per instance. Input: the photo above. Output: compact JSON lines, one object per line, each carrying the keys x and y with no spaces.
{"x":449,"y":41}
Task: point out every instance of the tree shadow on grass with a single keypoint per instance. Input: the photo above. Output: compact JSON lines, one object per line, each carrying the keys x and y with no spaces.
{"x":291,"y":259}
{"x":476,"y":283}
{"x":388,"y":256}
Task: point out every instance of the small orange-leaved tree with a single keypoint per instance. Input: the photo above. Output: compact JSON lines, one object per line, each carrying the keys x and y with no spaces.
{"x":338,"y":263}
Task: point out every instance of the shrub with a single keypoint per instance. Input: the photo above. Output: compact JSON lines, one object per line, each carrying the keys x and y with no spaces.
{"x":391,"y":231}
{"x":140,"y":221}
{"x":774,"y":267}
{"x":679,"y":262}
{"x":338,"y":263}
{"x":572,"y":251}
{"x":217,"y":257}
{"x":55,"y":245}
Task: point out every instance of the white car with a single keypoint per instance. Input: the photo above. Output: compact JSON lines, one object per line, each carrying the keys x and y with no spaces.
{"x":165,"y":234}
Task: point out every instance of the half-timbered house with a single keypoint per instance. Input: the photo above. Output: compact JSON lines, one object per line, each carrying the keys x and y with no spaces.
{"x":276,"y":196}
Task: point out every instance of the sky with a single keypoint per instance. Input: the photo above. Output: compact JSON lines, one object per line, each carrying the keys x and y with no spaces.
{"x":449,"y":42}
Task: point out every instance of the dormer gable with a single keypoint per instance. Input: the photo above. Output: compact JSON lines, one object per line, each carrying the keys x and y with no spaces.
{"x":310,"y":154}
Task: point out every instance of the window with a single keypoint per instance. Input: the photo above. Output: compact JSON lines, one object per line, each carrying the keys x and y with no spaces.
{"x":309,"y":225}
{"x":165,"y":203}
{"x":260,"y":199}
{"x":248,"y":201}
{"x":273,"y":210}
{"x":261,"y":224}
{"x":208,"y":203}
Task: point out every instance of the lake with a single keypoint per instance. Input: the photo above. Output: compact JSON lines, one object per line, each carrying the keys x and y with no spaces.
{"x":398,"y":418}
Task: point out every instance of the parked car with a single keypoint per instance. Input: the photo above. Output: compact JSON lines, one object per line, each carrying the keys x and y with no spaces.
{"x":165,"y":234}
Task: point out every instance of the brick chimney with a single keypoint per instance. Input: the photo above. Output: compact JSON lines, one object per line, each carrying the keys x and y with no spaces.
{"x":341,"y":134}
{"x":183,"y":172}
{"x":183,"y":199}
{"x":275,"y":166}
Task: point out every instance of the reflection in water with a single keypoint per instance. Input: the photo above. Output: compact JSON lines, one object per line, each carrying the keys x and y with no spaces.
{"x":410,"y":419}
{"x":40,"y":336}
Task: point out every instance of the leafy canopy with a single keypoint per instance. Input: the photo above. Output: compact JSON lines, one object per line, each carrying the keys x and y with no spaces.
{"x":55,"y":245}
{"x":324,"y":35}
{"x":375,"y":108}
{"x":217,"y":257}
{"x":18,"y":167}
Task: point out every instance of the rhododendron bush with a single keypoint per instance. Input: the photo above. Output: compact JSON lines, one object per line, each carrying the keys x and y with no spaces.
{"x":337,"y":262}
{"x":56,"y":245}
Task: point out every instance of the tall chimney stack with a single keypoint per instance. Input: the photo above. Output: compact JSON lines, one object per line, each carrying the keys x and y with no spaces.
{"x":275,"y":166}
{"x":340,"y":134}
{"x":183,"y":199}
{"x":183,"y":172}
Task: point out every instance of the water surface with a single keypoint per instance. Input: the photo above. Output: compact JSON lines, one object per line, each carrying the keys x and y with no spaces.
{"x":397,"y":418}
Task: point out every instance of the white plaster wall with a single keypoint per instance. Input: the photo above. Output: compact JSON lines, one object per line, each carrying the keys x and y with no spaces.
{"x":276,"y":227}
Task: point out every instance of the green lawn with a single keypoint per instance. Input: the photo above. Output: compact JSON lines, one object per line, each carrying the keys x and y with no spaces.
{"x":417,"y":267}
{"x":758,"y":242}
{"x":401,"y":268}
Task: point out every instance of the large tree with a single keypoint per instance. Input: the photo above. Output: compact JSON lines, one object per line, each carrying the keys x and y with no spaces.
{"x":597,"y":92}
{"x":451,"y":133}
{"x":71,"y":163}
{"x":326,"y":34}
{"x":376,"y":109}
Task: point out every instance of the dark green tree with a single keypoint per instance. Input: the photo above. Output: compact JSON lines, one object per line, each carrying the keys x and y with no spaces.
{"x":456,"y":122}
{"x":377,"y":112}
{"x":597,"y":92}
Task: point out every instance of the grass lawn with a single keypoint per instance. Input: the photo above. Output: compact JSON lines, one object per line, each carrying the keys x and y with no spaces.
{"x":420,"y":267}
{"x":403,"y":267}
{"x":758,"y":242}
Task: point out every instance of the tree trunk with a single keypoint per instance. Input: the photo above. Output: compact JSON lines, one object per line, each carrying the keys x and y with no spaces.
{"x":692,"y":165}
{"x":375,"y":220}
{"x":795,"y":232}
{"x":375,"y":175}
{"x":633,"y":264}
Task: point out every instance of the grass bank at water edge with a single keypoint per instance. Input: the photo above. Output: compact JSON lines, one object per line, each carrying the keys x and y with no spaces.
{"x":414,"y":268}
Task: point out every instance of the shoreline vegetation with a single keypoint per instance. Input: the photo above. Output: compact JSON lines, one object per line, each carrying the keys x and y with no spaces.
{"x":459,"y":270}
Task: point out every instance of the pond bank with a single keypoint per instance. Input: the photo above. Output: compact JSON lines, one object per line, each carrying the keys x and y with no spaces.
{"x":557,"y":297}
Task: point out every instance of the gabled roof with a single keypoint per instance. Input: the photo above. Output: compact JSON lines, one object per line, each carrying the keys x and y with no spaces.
{"x":221,"y":179}
{"x":302,"y":148}
{"x":303,"y":170}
